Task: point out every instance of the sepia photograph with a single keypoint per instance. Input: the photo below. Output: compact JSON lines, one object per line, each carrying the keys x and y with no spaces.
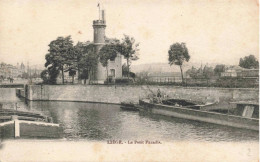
{"x":129,"y":80}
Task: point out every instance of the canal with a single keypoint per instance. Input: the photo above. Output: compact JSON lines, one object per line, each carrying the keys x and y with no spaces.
{"x":101,"y":122}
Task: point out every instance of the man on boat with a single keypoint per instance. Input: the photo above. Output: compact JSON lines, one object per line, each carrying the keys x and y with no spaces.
{"x":159,"y":95}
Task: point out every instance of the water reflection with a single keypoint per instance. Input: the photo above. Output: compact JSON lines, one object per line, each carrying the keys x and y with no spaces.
{"x":93,"y":121}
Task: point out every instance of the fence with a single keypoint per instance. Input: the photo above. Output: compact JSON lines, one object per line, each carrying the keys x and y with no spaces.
{"x":191,"y":82}
{"x":203,"y":82}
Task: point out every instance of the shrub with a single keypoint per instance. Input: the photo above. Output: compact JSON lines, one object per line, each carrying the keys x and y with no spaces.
{"x":124,"y":81}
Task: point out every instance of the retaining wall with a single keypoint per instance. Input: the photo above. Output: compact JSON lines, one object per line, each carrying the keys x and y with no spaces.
{"x":126,"y":93}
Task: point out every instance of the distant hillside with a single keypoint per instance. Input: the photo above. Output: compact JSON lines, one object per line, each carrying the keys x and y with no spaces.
{"x":155,"y":68}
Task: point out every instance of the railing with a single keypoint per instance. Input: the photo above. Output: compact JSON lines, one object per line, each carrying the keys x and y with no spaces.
{"x":202,"y":82}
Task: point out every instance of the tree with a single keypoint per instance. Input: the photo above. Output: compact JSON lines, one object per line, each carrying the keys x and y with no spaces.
{"x":192,"y":72}
{"x":106,"y":53}
{"x":58,"y":55}
{"x":142,"y":77}
{"x":124,"y":70}
{"x":129,"y":49}
{"x":49,"y":76}
{"x":71,"y":65}
{"x":84,"y":75}
{"x":72,"y":73}
{"x":178,"y":54}
{"x":208,"y":72}
{"x":71,"y":68}
{"x":219,"y":69}
{"x":76,"y":55}
{"x":45,"y":76}
{"x":88,"y":62}
{"x":249,"y":62}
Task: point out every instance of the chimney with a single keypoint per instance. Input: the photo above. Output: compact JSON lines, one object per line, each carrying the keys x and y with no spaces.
{"x":103,"y":16}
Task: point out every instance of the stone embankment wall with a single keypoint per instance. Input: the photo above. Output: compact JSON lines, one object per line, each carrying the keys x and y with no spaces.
{"x":131,"y":93}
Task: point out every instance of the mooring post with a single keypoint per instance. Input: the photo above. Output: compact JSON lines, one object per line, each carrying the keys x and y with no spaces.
{"x":16,"y":126}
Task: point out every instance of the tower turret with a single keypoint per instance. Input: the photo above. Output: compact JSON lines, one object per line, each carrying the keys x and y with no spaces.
{"x":99,"y":31}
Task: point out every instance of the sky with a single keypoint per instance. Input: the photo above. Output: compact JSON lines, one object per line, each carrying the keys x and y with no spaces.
{"x":215,"y":31}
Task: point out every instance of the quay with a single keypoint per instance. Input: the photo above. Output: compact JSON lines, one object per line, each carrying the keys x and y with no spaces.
{"x":116,"y":94}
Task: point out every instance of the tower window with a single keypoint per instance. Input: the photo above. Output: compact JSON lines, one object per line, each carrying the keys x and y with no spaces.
{"x":113,"y":72}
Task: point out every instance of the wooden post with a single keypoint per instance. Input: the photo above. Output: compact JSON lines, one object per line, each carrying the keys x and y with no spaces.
{"x":16,"y":126}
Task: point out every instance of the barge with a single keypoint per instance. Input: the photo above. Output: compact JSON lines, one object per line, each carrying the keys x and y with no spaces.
{"x":244,"y":116}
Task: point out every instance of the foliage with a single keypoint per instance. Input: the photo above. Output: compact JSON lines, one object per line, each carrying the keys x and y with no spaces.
{"x":129,"y":49}
{"x":208,"y":72}
{"x":72,"y":73}
{"x":84,"y":75}
{"x":201,"y":73}
{"x":142,"y":77}
{"x":88,"y":62}
{"x":123,"y":81}
{"x":71,"y":63}
{"x":75,"y":55}
{"x":192,"y":72}
{"x":45,"y":76}
{"x":106,"y":53}
{"x":63,"y":57}
{"x":58,"y":55}
{"x":125,"y":71}
{"x":178,"y":54}
{"x":219,"y":69}
{"x":49,"y":76}
{"x":249,"y":62}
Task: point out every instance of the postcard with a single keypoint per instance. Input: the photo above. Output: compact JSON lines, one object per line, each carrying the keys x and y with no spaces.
{"x":128,"y":80}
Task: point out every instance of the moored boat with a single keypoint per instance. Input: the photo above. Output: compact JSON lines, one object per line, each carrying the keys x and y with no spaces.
{"x":22,"y":124}
{"x":245,"y":116}
{"x":129,"y":106}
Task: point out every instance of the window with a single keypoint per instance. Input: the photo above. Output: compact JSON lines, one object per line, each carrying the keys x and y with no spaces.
{"x":112,"y":72}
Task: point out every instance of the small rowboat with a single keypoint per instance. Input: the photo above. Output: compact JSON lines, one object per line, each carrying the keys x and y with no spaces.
{"x":129,"y":106}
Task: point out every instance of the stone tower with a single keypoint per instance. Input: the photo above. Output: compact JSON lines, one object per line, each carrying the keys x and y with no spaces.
{"x":115,"y":66}
{"x":99,"y":40}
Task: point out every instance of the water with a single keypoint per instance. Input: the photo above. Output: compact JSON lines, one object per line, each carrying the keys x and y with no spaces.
{"x":101,"y":122}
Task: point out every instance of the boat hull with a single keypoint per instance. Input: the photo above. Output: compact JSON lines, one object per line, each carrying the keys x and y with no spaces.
{"x":29,"y":129}
{"x":127,"y":108}
{"x":199,"y":115}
